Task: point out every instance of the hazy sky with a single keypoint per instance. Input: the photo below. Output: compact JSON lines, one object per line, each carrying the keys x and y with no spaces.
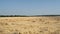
{"x":29,"y":7}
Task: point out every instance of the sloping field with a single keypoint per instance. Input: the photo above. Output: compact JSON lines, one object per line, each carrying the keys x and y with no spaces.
{"x":30,"y":25}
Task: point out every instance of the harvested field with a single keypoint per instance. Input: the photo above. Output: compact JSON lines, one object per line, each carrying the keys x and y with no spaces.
{"x":30,"y":25}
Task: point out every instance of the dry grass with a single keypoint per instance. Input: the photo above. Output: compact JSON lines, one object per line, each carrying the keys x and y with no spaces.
{"x":29,"y":25}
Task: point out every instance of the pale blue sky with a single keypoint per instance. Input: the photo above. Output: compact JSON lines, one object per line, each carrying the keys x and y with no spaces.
{"x":29,"y":7}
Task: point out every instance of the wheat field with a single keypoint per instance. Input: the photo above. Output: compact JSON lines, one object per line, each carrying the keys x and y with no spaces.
{"x":30,"y":25}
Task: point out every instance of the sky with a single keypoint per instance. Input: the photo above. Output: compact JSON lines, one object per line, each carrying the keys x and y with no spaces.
{"x":29,"y":7}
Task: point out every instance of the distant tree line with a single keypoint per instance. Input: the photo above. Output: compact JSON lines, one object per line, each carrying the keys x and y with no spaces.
{"x":26,"y":15}
{"x":13,"y":16}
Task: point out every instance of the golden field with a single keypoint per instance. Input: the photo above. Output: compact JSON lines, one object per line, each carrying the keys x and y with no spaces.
{"x":30,"y":25}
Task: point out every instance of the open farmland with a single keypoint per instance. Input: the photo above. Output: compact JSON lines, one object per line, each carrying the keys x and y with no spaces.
{"x":30,"y":25}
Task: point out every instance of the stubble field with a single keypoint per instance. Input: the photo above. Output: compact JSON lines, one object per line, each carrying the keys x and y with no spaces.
{"x":30,"y":25}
